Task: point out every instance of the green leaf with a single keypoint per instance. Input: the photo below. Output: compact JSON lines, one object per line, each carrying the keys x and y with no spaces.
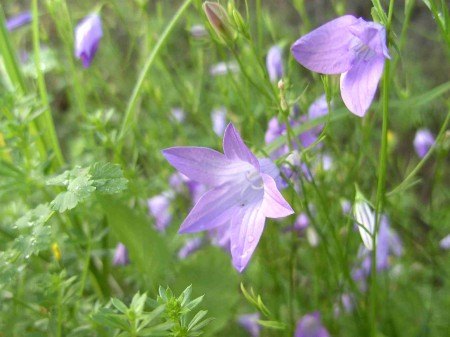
{"x":272,"y":325}
{"x":147,"y":248}
{"x":107,"y":317}
{"x":119,"y":305}
{"x":108,"y":178}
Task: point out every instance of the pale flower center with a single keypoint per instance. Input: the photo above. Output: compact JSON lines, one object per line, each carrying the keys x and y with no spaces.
{"x":362,"y":51}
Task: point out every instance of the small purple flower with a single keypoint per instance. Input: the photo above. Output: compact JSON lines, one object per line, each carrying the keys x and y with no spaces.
{"x":423,"y":141}
{"x":317,"y":109}
{"x":219,"y":121}
{"x":388,"y":244}
{"x":191,"y":246}
{"x":178,"y":114}
{"x":250,"y":323}
{"x":349,"y":46}
{"x":274,"y":63}
{"x":88,"y":34}
{"x":243,"y":193}
{"x":301,"y":222}
{"x":18,"y":21}
{"x":158,"y":207}
{"x":121,"y":255}
{"x":223,"y":68}
{"x":310,"y":326}
{"x":445,"y":243}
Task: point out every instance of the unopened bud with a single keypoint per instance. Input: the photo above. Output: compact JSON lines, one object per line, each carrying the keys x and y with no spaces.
{"x":56,"y":251}
{"x":220,"y":21}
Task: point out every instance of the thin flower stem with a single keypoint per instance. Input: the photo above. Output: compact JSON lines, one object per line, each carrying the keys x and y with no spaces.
{"x":130,"y":112}
{"x":49,"y":131}
{"x":381,"y":187}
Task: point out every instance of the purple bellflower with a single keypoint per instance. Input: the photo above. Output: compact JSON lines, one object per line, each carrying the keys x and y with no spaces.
{"x":349,"y":46}
{"x":423,"y":141}
{"x":190,"y":247}
{"x":310,"y":326}
{"x":250,"y":323}
{"x":244,"y":192}
{"x":18,"y":21}
{"x":88,"y":34}
{"x":121,"y":255}
{"x":159,"y":209}
{"x":274,"y":63}
{"x":388,"y":244}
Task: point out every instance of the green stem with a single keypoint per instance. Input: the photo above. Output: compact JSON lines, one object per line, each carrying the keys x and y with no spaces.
{"x":46,"y":118}
{"x":130,"y":111}
{"x":381,"y":187}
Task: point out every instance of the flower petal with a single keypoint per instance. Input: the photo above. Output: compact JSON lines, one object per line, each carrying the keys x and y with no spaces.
{"x":247,"y":226}
{"x":214,"y":208}
{"x":274,"y":205}
{"x":235,"y":149}
{"x":204,"y":165}
{"x":326,"y":49}
{"x":359,"y":84}
{"x":371,"y":34}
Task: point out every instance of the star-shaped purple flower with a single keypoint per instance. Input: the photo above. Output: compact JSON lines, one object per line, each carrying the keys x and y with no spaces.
{"x":88,"y":34}
{"x":349,"y":46}
{"x":244,"y":192}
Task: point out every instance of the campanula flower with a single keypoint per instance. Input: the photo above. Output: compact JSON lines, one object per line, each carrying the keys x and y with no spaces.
{"x":159,"y":209}
{"x":243,"y":194}
{"x":349,"y":46}
{"x":250,"y":323}
{"x":223,"y":68}
{"x":18,"y":21}
{"x":388,"y":244}
{"x":191,"y":246}
{"x":445,"y":243}
{"x":274,"y":63}
{"x":219,"y":121}
{"x":120,"y":255}
{"x":310,"y":326}
{"x":423,"y":141}
{"x":88,"y":34}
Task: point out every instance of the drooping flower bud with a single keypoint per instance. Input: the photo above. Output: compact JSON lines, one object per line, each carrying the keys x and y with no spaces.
{"x":88,"y":34}
{"x":220,"y":21}
{"x":365,"y":218}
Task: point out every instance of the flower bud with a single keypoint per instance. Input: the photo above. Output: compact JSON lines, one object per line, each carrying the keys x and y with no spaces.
{"x":365,"y":218}
{"x":220,"y":21}
{"x":88,"y":34}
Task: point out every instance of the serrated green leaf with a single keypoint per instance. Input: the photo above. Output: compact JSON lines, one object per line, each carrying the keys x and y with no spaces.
{"x":108,"y":178}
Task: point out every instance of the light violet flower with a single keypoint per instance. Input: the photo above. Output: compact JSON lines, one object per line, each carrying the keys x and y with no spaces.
{"x":178,"y":114}
{"x":121,"y":255}
{"x":423,"y":141}
{"x":88,"y":34}
{"x":18,"y":21}
{"x":349,"y":46}
{"x":388,"y":244}
{"x":310,"y":326}
{"x":219,"y":121}
{"x":198,"y":31}
{"x":244,"y":192}
{"x":274,"y":63}
{"x":250,"y":323}
{"x":223,"y":68}
{"x":191,"y":246}
{"x":158,"y":208}
{"x":445,"y":243}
